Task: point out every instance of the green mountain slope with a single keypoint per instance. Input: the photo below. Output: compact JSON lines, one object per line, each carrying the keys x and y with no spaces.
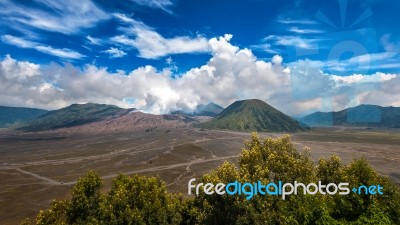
{"x":253,"y":115}
{"x":362,"y":115}
{"x":11,"y":116}
{"x":73,"y":115}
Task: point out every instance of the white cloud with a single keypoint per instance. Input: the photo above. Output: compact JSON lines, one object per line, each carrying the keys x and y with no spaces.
{"x":161,"y":4}
{"x":295,"y":41}
{"x":298,"y":30}
{"x":367,"y":58}
{"x":22,"y":84}
{"x":172,"y":65}
{"x":293,"y":21}
{"x":94,"y":41}
{"x":18,"y":69}
{"x":388,"y":44}
{"x":386,"y":65}
{"x":361,"y":63}
{"x":115,"y":52}
{"x":365,"y":62}
{"x":232,"y":73}
{"x":152,"y":45}
{"x":122,"y":17}
{"x":51,"y":15}
{"x":277,"y":60}
{"x":169,"y":61}
{"x":64,"y":53}
{"x":361,"y":78}
{"x":266,"y":47}
{"x":334,"y":93}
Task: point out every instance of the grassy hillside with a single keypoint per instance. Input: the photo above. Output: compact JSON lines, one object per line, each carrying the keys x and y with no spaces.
{"x":362,"y":115}
{"x":76,"y":114}
{"x":10,"y":116}
{"x":253,"y":115}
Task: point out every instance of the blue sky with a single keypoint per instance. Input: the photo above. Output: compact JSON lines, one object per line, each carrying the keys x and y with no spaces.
{"x":108,"y":33}
{"x":341,"y":44}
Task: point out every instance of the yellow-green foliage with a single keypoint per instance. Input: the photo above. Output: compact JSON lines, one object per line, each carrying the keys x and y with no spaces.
{"x":141,"y":200}
{"x":131,"y":200}
{"x":277,"y":159}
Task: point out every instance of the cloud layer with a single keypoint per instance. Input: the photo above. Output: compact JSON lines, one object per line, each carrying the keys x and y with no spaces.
{"x":152,"y":45}
{"x":231,"y":74}
{"x":64,"y":17}
{"x":22,"y":43}
{"x":161,"y":4}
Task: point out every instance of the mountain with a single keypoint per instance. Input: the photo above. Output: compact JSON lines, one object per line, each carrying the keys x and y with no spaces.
{"x":135,"y":121}
{"x":211,"y":109}
{"x":362,"y":115}
{"x":253,"y":115}
{"x":10,"y":116}
{"x":73,"y":115}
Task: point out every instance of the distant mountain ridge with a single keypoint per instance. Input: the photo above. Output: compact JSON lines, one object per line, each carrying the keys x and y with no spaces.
{"x":11,"y":116}
{"x":245,"y":115}
{"x":211,"y":109}
{"x":253,"y":115}
{"x":74,"y":115}
{"x":134,"y":121}
{"x":362,"y":115}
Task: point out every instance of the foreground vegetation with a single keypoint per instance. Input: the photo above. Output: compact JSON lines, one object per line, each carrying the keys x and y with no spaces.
{"x":142,"y":200}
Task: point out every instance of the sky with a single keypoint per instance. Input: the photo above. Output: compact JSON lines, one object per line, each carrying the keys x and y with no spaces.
{"x":159,"y":56}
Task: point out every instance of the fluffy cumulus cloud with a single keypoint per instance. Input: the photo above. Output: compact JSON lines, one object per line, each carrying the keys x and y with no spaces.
{"x":23,"y":84}
{"x":232,"y":73}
